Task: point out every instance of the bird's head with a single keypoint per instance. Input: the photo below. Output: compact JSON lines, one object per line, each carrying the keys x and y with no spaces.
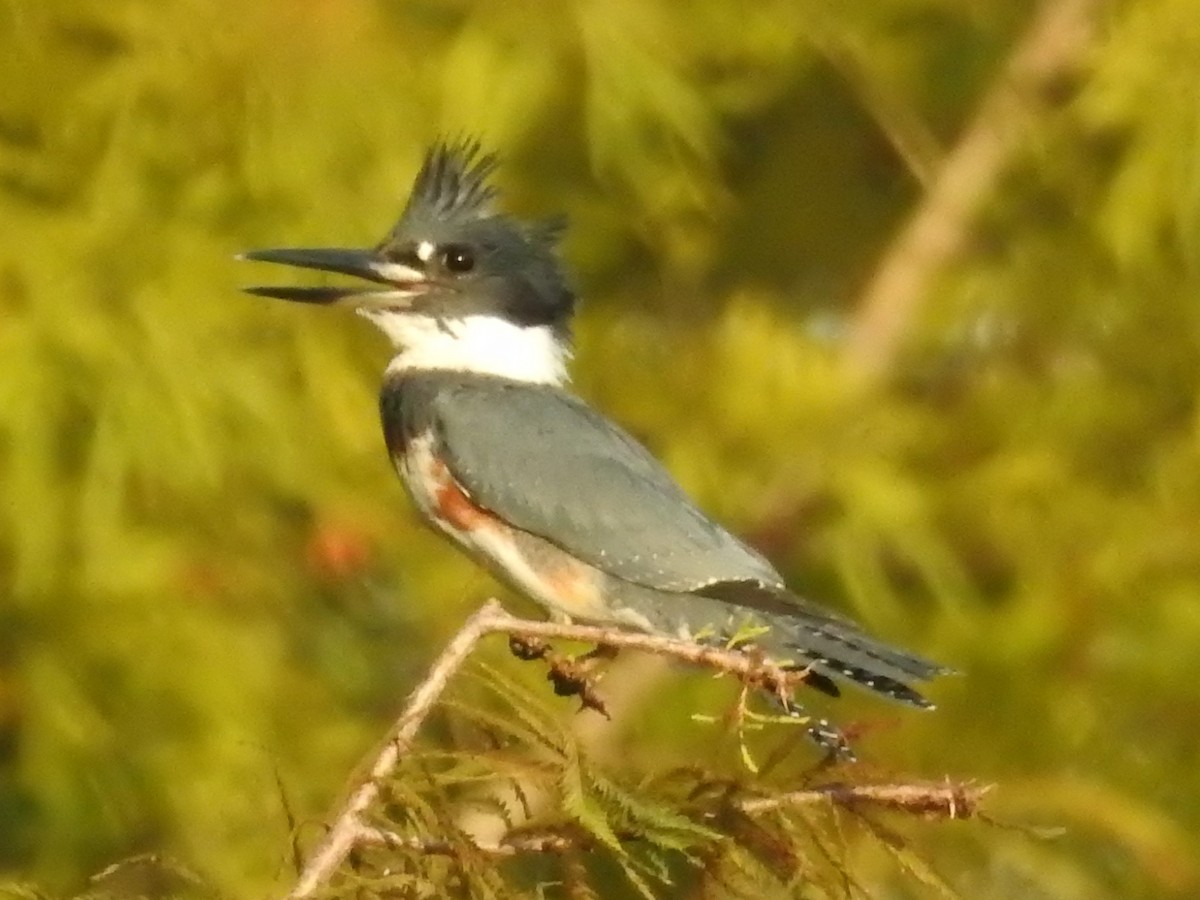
{"x":457,"y":284}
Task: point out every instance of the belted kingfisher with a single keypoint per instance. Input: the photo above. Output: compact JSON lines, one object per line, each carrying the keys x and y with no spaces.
{"x":545,"y":492}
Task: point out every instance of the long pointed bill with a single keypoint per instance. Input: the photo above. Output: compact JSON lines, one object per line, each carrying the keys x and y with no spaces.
{"x":402,"y":282}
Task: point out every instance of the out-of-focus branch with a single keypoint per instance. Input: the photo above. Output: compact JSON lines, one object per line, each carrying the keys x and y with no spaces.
{"x":1052,"y":47}
{"x":350,"y":829}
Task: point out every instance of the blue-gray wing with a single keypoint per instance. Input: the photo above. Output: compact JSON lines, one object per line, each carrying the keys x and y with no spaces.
{"x":544,"y":461}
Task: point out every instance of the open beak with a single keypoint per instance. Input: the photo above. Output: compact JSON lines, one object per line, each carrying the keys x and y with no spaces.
{"x":401,"y":283}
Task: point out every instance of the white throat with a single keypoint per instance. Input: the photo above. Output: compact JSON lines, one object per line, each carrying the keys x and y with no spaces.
{"x":480,"y":344}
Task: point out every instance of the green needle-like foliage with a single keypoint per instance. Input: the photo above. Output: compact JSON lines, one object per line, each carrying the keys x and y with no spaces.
{"x":214,"y":598}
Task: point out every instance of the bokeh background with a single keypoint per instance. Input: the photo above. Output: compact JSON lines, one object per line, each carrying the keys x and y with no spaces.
{"x":905,"y":292}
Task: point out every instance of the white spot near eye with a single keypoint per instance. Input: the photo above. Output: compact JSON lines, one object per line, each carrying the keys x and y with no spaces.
{"x":425,"y":251}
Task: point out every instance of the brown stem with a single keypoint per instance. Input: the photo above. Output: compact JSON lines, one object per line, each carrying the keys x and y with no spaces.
{"x":349,"y":830}
{"x":938,"y":800}
{"x":348,"y":826}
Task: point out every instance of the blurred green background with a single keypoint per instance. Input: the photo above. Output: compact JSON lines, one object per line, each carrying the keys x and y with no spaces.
{"x":213,"y":596}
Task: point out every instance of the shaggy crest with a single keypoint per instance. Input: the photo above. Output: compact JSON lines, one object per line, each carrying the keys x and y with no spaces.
{"x":452,"y":184}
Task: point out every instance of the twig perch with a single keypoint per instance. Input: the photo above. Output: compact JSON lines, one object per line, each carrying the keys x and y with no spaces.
{"x":349,"y":829}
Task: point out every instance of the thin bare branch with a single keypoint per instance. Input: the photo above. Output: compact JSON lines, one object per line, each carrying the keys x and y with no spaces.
{"x":349,"y":829}
{"x":546,"y":841}
{"x":939,"y":800}
{"x":942,"y":800}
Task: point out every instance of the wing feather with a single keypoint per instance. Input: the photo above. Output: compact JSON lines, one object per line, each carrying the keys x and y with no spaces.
{"x":547,"y":463}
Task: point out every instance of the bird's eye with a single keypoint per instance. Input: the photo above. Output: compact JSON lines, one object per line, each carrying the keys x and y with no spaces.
{"x":458,"y":258}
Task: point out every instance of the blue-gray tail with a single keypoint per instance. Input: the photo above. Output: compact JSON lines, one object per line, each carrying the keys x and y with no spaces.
{"x":787,"y":630}
{"x":828,"y":647}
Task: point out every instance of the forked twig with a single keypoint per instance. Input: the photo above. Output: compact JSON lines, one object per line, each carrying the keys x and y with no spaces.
{"x":349,"y":829}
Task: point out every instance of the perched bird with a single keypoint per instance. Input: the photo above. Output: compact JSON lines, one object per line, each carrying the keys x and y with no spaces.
{"x":548,"y":494}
